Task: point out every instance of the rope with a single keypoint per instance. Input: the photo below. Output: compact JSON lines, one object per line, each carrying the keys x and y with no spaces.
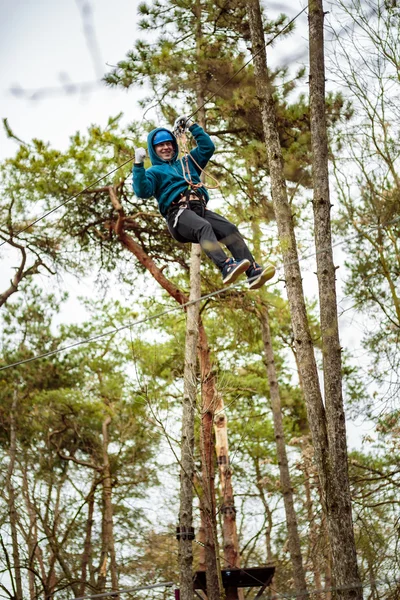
{"x":186,"y":170}
{"x":118,"y":329}
{"x":184,"y":305}
{"x":185,"y":167}
{"x":189,"y":154}
{"x":66,"y":201}
{"x":126,"y":591}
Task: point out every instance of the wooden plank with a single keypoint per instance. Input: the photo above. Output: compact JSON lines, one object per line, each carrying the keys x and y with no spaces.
{"x":239,"y":578}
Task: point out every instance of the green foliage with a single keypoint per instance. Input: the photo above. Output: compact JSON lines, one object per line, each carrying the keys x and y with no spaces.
{"x":131,"y":382}
{"x":63,"y":404}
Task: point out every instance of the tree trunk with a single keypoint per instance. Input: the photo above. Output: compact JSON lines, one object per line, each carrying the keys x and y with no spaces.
{"x":268,"y":512}
{"x":316,"y":533}
{"x":338,"y":501}
{"x":215,"y":590}
{"x":286,"y":486}
{"x":201,"y":534}
{"x":302,"y":337}
{"x":34,"y":550}
{"x":51,"y":530}
{"x":208,"y":394}
{"x":107,"y":533}
{"x":228,"y":510}
{"x":229,"y":531}
{"x":11,"y":500}
{"x":190,"y":378}
{"x":303,"y":342}
{"x":187,"y":444}
{"x":87,"y":546}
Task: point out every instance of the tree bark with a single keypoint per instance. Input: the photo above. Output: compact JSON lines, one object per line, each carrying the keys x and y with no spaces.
{"x":187,"y":444}
{"x":208,"y":394}
{"x":87,"y":546}
{"x":268,"y":512}
{"x":107,"y":533}
{"x":11,"y":500}
{"x":229,"y":531}
{"x":338,"y":501}
{"x":201,"y":534}
{"x":228,"y":510}
{"x":302,"y":337}
{"x":316,"y":532}
{"x":34,"y":550}
{"x":215,"y":590}
{"x":284,"y":474}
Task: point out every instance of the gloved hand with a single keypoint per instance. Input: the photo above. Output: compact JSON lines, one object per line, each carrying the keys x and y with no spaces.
{"x":183,"y":122}
{"x":140,"y":155}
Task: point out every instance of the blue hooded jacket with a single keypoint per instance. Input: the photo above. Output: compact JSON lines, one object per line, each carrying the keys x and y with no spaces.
{"x":164,"y":179}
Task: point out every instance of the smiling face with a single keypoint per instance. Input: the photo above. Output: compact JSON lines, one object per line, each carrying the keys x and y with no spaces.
{"x":165,"y":150}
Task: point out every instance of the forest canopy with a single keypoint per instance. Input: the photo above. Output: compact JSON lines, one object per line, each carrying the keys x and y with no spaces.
{"x":107,"y":402}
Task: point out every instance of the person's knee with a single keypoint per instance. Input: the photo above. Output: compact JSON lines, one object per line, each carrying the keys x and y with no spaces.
{"x":232,"y":230}
{"x":231,"y":235}
{"x":205,"y":231}
{"x":206,"y":237}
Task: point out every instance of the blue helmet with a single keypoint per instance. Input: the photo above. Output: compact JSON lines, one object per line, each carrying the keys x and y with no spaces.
{"x":162,"y":136}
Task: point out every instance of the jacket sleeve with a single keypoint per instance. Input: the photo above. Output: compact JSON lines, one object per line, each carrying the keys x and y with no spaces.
{"x":205,"y":146}
{"x":144,"y":182}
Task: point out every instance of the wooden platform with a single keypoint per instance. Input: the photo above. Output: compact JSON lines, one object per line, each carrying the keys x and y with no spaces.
{"x":239,"y":578}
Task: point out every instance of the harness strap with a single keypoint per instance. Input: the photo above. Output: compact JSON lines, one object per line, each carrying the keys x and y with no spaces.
{"x":178,"y":214}
{"x":186,"y":202}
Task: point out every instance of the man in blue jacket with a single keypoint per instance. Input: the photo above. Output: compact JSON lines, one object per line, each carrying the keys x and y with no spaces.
{"x":182,"y":201}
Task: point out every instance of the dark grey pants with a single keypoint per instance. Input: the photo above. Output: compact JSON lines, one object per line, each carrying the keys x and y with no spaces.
{"x":208,"y":230}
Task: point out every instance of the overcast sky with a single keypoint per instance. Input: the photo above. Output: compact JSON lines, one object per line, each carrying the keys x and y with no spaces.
{"x":44,"y":48}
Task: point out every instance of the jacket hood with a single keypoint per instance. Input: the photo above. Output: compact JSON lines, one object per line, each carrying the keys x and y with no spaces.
{"x":155,"y":159}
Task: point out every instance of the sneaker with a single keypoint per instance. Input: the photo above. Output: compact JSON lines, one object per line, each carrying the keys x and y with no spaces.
{"x":233,"y":268}
{"x":257,"y":276}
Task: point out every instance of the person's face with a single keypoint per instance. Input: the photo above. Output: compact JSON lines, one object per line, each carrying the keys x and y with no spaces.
{"x":165,"y":150}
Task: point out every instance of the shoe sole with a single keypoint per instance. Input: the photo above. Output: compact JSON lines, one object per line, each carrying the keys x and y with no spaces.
{"x":233,"y":275}
{"x":267,"y":274}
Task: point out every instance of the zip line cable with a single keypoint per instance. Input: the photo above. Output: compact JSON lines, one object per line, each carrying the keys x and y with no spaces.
{"x":132,"y":157}
{"x":66,"y":201}
{"x":309,"y":592}
{"x":185,"y":304}
{"x":118,"y":329}
{"x":153,"y":317}
{"x":368,"y":584}
{"x":126,"y":591}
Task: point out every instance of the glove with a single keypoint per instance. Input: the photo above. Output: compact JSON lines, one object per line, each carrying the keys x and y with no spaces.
{"x":140,"y":155}
{"x":183,"y":123}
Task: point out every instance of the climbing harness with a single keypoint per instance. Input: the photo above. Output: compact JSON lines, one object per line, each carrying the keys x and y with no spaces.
{"x":189,"y":199}
{"x":192,"y":198}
